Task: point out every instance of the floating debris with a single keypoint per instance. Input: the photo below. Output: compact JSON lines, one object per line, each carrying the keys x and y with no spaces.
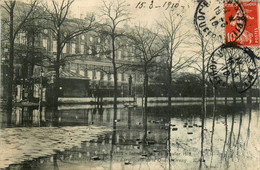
{"x":144,"y":155}
{"x":190,"y":133}
{"x":95,"y":158}
{"x":127,"y":162}
{"x":174,"y":129}
{"x":190,"y":126}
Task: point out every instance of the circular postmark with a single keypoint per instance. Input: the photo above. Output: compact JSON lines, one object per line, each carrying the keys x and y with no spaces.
{"x":232,"y":65}
{"x":215,"y":17}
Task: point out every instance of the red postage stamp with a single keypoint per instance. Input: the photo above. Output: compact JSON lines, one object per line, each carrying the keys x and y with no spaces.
{"x":242,"y":23}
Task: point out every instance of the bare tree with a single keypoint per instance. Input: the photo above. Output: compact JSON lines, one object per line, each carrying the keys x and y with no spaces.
{"x":115,"y":13}
{"x":17,"y":17}
{"x":172,"y":39}
{"x":64,"y":30}
{"x":148,"y":50}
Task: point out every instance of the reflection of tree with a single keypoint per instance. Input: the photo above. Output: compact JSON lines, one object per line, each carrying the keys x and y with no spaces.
{"x":225,"y":141}
{"x":212,"y":133}
{"x":129,"y":118}
{"x":55,"y":163}
{"x":239,"y":130}
{"x":202,"y":140}
{"x":113,"y":142}
{"x":249,"y":123}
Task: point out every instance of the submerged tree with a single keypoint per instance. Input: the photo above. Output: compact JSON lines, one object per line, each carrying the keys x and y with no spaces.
{"x":18,"y":15}
{"x":115,"y":14}
{"x":149,"y":52}
{"x":64,"y":29}
{"x":172,"y":38}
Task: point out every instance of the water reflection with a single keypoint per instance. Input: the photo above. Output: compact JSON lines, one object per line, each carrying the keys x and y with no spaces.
{"x":223,"y":138}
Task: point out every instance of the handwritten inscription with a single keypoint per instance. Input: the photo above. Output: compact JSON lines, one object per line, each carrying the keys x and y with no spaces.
{"x":165,"y":5}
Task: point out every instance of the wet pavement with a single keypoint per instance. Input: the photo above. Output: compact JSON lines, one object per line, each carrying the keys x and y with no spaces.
{"x":226,"y":137}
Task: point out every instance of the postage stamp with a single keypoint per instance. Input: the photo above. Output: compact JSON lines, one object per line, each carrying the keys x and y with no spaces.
{"x":233,"y":22}
{"x":212,"y":18}
{"x":242,"y":28}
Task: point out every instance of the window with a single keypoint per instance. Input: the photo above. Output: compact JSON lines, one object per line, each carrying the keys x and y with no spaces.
{"x":73,"y":67}
{"x":64,"y":50}
{"x":36,"y":90}
{"x":98,"y":75}
{"x":119,"y":77}
{"x":45,"y":31}
{"x":54,"y":46}
{"x":125,"y":77}
{"x":73,"y":48}
{"x":89,"y":51}
{"x":82,"y":73}
{"x":82,"y":37}
{"x":111,"y":77}
{"x":105,"y":77}
{"x":82,"y":49}
{"x":119,"y":54}
{"x":90,"y":74}
{"x":23,"y":38}
{"x":44,"y":43}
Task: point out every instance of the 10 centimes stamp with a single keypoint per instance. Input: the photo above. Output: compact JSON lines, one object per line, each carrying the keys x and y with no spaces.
{"x":232,"y":65}
{"x":211,"y":18}
{"x":235,"y":26}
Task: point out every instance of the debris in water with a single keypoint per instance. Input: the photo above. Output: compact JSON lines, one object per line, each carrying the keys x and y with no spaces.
{"x":95,"y":158}
{"x":127,"y":163}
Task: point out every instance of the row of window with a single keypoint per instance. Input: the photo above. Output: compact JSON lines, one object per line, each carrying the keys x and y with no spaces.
{"x":97,"y":75}
{"x":70,"y":48}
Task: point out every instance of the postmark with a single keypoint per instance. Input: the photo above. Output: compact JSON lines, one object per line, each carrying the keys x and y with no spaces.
{"x":211,"y":18}
{"x":232,"y":65}
{"x":234,"y":25}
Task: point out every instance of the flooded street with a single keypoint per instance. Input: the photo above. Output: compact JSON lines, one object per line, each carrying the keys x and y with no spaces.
{"x":226,"y":137}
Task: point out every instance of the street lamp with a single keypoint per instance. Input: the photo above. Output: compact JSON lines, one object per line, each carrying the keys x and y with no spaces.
{"x":41,"y":83}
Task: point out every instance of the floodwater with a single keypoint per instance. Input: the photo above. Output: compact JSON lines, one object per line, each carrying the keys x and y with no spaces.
{"x":225,"y":137}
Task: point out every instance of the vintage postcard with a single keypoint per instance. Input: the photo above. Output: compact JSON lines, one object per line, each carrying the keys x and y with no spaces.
{"x":129,"y":84}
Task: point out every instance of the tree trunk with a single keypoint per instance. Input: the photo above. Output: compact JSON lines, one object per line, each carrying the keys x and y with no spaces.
{"x":169,"y":87}
{"x":114,"y":68}
{"x":203,"y":78}
{"x":145,"y":100}
{"x":11,"y":59}
{"x":57,"y":70}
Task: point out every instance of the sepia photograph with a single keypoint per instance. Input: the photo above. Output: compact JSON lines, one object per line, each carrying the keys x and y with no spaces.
{"x":129,"y":85}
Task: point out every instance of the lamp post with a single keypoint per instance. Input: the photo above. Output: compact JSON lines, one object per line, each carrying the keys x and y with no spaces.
{"x":41,"y":89}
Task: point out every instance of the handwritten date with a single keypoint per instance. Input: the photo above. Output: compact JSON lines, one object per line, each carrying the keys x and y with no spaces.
{"x":166,"y":5}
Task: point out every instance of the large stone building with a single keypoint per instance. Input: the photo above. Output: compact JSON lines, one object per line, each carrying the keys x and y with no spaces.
{"x":86,"y":69}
